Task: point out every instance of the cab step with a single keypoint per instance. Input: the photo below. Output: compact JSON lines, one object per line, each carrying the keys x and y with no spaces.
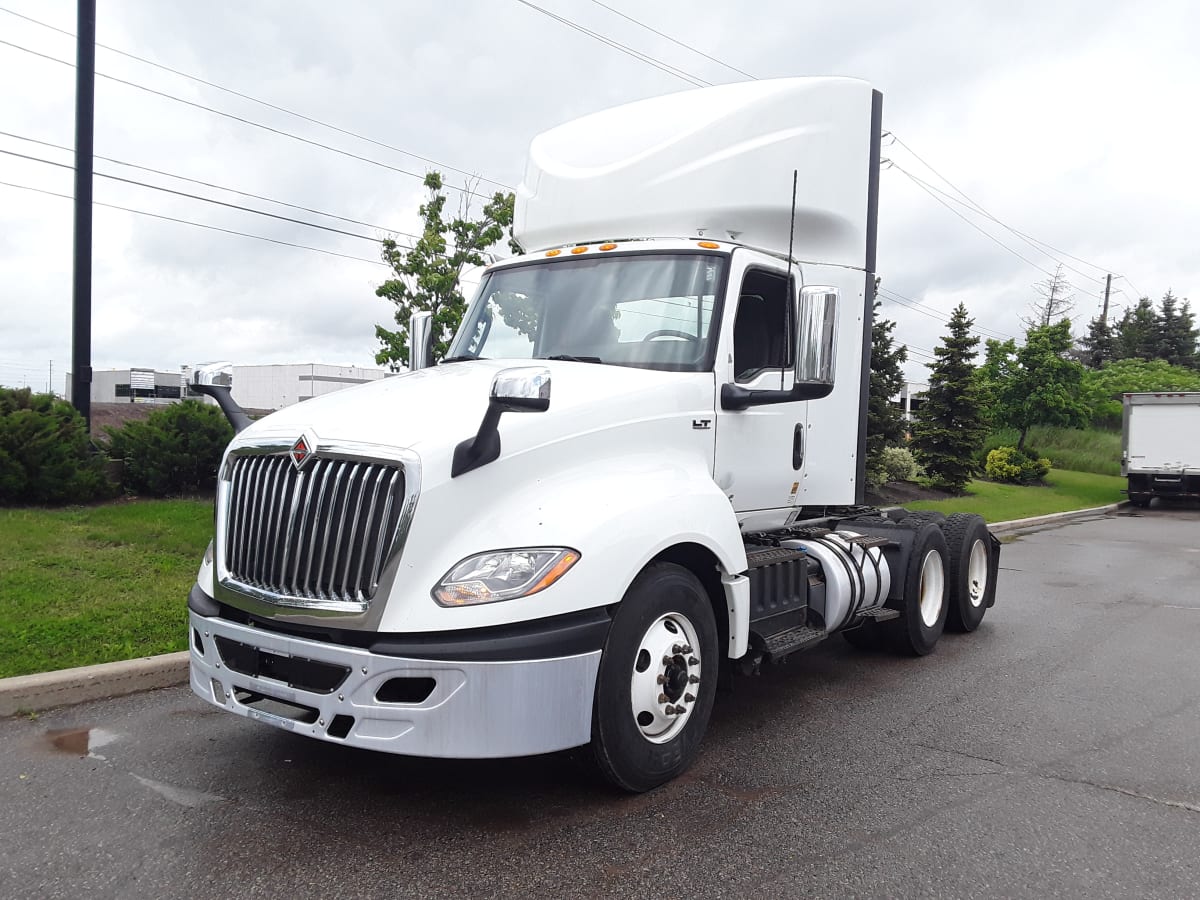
{"x":785,"y":643}
{"x":880,"y":614}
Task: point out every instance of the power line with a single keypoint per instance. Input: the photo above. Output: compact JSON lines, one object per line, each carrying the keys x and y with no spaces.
{"x":167,"y":190}
{"x":218,"y":187}
{"x":1032,"y":242}
{"x":142,"y":212}
{"x":674,"y":41}
{"x":693,"y":80}
{"x":978,"y":207}
{"x":267,"y":104}
{"x":937,"y":314}
{"x":278,"y":131}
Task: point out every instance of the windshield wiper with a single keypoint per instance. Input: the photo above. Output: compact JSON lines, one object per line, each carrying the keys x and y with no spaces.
{"x":460,"y":359}
{"x":566,"y":357}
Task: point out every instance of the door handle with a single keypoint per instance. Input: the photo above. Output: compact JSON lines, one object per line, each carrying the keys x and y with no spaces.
{"x":798,"y":447}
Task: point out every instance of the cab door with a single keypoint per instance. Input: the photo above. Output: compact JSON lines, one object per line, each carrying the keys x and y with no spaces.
{"x":760,"y":450}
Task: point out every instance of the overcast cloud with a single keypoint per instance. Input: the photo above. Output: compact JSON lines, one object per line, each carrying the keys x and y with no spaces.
{"x":1070,"y":121}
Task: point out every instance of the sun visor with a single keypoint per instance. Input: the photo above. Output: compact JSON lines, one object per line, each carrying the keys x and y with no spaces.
{"x":716,"y":163}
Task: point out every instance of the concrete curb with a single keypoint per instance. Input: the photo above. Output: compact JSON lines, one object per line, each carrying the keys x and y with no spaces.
{"x":67,"y":687}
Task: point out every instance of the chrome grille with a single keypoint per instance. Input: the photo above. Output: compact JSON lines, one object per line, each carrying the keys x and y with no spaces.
{"x":316,"y":535}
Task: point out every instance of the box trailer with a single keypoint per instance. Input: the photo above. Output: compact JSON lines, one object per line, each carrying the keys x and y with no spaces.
{"x":1160,"y":446}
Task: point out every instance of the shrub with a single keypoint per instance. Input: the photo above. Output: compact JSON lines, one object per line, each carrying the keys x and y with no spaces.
{"x":46,"y":455}
{"x":1012,"y":465}
{"x":899,"y":465}
{"x":176,"y":450}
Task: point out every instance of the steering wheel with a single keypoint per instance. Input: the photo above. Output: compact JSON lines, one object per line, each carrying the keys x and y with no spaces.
{"x":667,"y":332}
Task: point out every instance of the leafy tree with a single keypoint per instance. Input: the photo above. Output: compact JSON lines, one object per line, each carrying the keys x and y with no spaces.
{"x":175,"y":450}
{"x":1176,"y":332}
{"x":1055,"y":300}
{"x":46,"y":455}
{"x":998,"y":360}
{"x":949,"y":430}
{"x":1137,"y":332}
{"x":1103,"y":388}
{"x":1044,"y":385}
{"x":426,"y":275}
{"x":885,"y":421}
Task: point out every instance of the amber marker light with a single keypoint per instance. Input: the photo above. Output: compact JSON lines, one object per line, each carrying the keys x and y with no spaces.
{"x":579,"y":249}
{"x":709,"y":245}
{"x":553,"y":252}
{"x":608,"y":246}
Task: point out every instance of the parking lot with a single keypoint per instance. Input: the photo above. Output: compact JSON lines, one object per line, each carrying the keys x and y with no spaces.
{"x":1055,"y":752}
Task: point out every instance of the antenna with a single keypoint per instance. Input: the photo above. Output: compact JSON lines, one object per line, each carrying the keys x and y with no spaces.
{"x":791,"y":237}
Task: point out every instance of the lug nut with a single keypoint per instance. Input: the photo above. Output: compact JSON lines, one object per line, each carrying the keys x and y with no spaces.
{"x":667,"y":660}
{"x":687,"y":649}
{"x":693,"y":679}
{"x":670,"y":710}
{"x":689,"y":698}
{"x":364,"y":670}
{"x":678,"y":648}
{"x":692,"y":661}
{"x":320,"y":721}
{"x":662,"y":679}
{"x":662,"y":698}
{"x":340,"y":697}
{"x":679,"y":710}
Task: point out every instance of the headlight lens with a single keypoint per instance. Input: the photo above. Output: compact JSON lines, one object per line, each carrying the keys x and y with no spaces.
{"x":503,"y":575}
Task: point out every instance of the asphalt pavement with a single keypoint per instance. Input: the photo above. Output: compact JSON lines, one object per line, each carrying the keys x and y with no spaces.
{"x":1055,"y":752}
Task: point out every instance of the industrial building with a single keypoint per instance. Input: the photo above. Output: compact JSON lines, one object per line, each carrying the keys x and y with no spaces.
{"x":268,"y":387}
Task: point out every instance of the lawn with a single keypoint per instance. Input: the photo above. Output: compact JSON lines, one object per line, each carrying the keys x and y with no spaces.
{"x":92,"y":584}
{"x":1064,"y":490}
{"x":1076,"y":449}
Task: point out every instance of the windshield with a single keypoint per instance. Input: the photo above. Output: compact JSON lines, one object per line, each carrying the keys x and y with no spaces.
{"x":651,"y":311}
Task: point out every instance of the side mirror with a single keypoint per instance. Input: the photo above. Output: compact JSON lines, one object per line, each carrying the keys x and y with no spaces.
{"x":816,"y":336}
{"x":216,"y":380}
{"x":420,"y":341}
{"x":524,"y":389}
{"x":521,"y":389}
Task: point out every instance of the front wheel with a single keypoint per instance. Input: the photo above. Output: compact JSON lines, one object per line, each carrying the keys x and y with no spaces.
{"x":657,"y":680}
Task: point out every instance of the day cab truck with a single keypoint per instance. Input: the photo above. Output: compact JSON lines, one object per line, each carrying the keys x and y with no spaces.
{"x":1160,"y":446}
{"x":639,"y":468}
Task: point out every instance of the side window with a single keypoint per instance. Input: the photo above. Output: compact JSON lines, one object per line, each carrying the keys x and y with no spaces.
{"x":764,"y":328}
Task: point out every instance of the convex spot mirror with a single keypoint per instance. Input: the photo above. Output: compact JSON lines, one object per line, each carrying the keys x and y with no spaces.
{"x":523,"y":389}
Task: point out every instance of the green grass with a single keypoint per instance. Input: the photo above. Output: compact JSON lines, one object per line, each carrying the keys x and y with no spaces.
{"x":94,"y":584}
{"x":1063,"y":491}
{"x":1076,"y":449}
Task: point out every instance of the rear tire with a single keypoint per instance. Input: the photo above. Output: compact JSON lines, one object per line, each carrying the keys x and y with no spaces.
{"x":926,"y":595}
{"x":916,"y":519}
{"x":664,"y":629}
{"x":971,"y":571}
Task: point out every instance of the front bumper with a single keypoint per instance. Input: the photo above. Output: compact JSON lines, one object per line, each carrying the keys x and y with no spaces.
{"x":473,"y":710}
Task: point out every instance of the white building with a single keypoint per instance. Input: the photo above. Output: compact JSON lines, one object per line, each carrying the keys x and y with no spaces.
{"x":254,"y":387}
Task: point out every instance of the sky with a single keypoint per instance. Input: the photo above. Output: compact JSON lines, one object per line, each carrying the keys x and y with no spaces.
{"x":1067,"y":121}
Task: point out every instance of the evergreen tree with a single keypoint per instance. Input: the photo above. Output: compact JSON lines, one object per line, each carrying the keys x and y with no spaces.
{"x":1176,"y":332}
{"x":1054,"y":300}
{"x":1137,"y":332}
{"x":1044,"y":386}
{"x":885,"y":421}
{"x":949,"y":429}
{"x":1099,"y":345}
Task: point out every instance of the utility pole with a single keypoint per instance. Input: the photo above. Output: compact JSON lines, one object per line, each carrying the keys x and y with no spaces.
{"x":85,"y":107}
{"x":1107,"y":288}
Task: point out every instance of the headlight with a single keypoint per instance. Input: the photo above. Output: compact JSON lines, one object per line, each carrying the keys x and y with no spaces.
{"x":503,"y":575}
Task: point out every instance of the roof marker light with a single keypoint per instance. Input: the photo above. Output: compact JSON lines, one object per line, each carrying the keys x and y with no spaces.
{"x":553,"y":252}
{"x":608,"y":246}
{"x":709,"y":245}
{"x":579,"y":249}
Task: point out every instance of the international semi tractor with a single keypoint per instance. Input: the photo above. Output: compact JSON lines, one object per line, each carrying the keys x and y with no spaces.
{"x":638,"y":471}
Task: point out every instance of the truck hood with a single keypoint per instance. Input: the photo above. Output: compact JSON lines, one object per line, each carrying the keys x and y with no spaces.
{"x":432,"y":410}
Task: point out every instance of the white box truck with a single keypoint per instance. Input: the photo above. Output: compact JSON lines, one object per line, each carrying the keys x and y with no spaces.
{"x":1160,"y":446}
{"x":639,"y":468}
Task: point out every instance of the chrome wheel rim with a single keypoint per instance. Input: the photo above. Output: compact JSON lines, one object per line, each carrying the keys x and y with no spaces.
{"x":932,"y":589}
{"x":665,"y":680}
{"x":977,"y":574}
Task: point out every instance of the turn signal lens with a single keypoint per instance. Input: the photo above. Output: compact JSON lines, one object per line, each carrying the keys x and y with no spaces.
{"x":503,"y":575}
{"x":579,"y":249}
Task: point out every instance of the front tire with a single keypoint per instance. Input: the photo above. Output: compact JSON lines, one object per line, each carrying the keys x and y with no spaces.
{"x":657,"y":680}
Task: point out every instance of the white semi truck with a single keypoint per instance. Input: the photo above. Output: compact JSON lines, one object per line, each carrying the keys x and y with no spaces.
{"x":639,"y":468}
{"x":1160,"y":447}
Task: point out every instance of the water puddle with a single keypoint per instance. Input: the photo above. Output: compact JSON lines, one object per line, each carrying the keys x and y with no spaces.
{"x":79,"y":741}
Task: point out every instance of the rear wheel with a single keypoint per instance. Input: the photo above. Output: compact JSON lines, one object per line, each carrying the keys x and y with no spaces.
{"x":926,"y":591}
{"x":971,"y":570}
{"x":657,"y":680}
